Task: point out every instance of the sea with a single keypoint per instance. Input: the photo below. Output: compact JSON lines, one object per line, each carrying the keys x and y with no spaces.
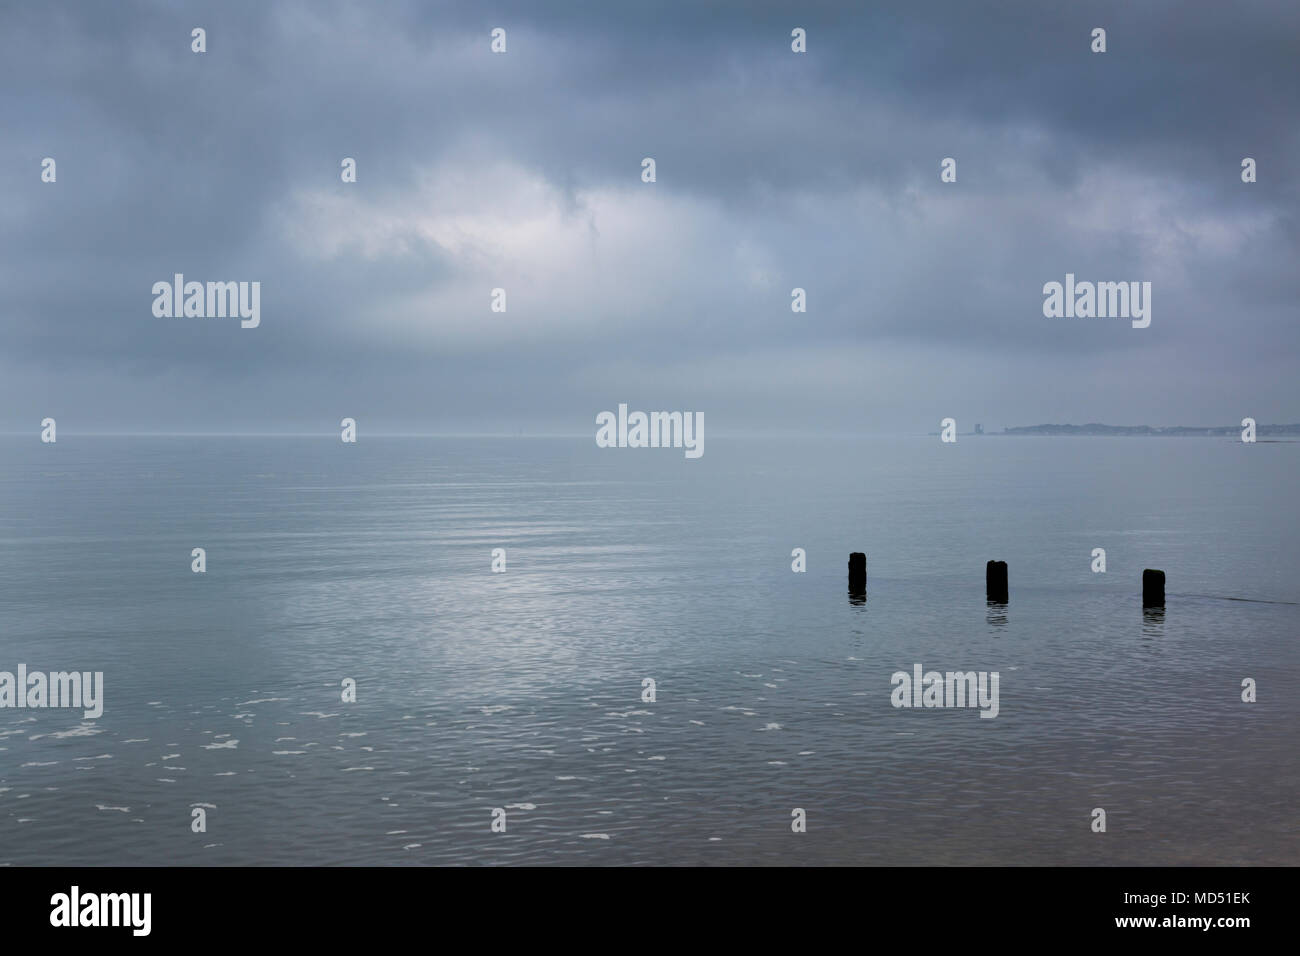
{"x":645,"y":679}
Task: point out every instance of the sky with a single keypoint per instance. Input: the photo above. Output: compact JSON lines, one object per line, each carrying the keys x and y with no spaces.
{"x":522,"y":170}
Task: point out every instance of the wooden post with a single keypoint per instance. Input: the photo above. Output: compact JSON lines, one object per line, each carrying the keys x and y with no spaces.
{"x":995,"y":581}
{"x":858,"y":572}
{"x":1153,"y":588}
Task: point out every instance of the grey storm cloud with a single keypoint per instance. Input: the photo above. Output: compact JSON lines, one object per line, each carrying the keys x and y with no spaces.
{"x":522,"y":171}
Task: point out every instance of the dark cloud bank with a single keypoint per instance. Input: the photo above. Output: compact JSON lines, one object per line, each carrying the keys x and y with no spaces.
{"x":522,"y":171}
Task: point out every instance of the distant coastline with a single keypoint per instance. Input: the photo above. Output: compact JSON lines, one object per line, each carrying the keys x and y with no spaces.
{"x":1177,"y":431}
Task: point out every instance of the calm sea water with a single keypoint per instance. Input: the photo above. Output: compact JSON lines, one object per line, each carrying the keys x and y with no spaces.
{"x":522,"y":690}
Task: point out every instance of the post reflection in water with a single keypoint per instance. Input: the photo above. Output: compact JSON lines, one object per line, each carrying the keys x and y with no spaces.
{"x":997,"y":613}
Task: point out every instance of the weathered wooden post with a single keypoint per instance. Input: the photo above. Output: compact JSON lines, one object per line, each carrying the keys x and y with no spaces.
{"x":1153,"y":588}
{"x":995,"y":581}
{"x":858,"y":572}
